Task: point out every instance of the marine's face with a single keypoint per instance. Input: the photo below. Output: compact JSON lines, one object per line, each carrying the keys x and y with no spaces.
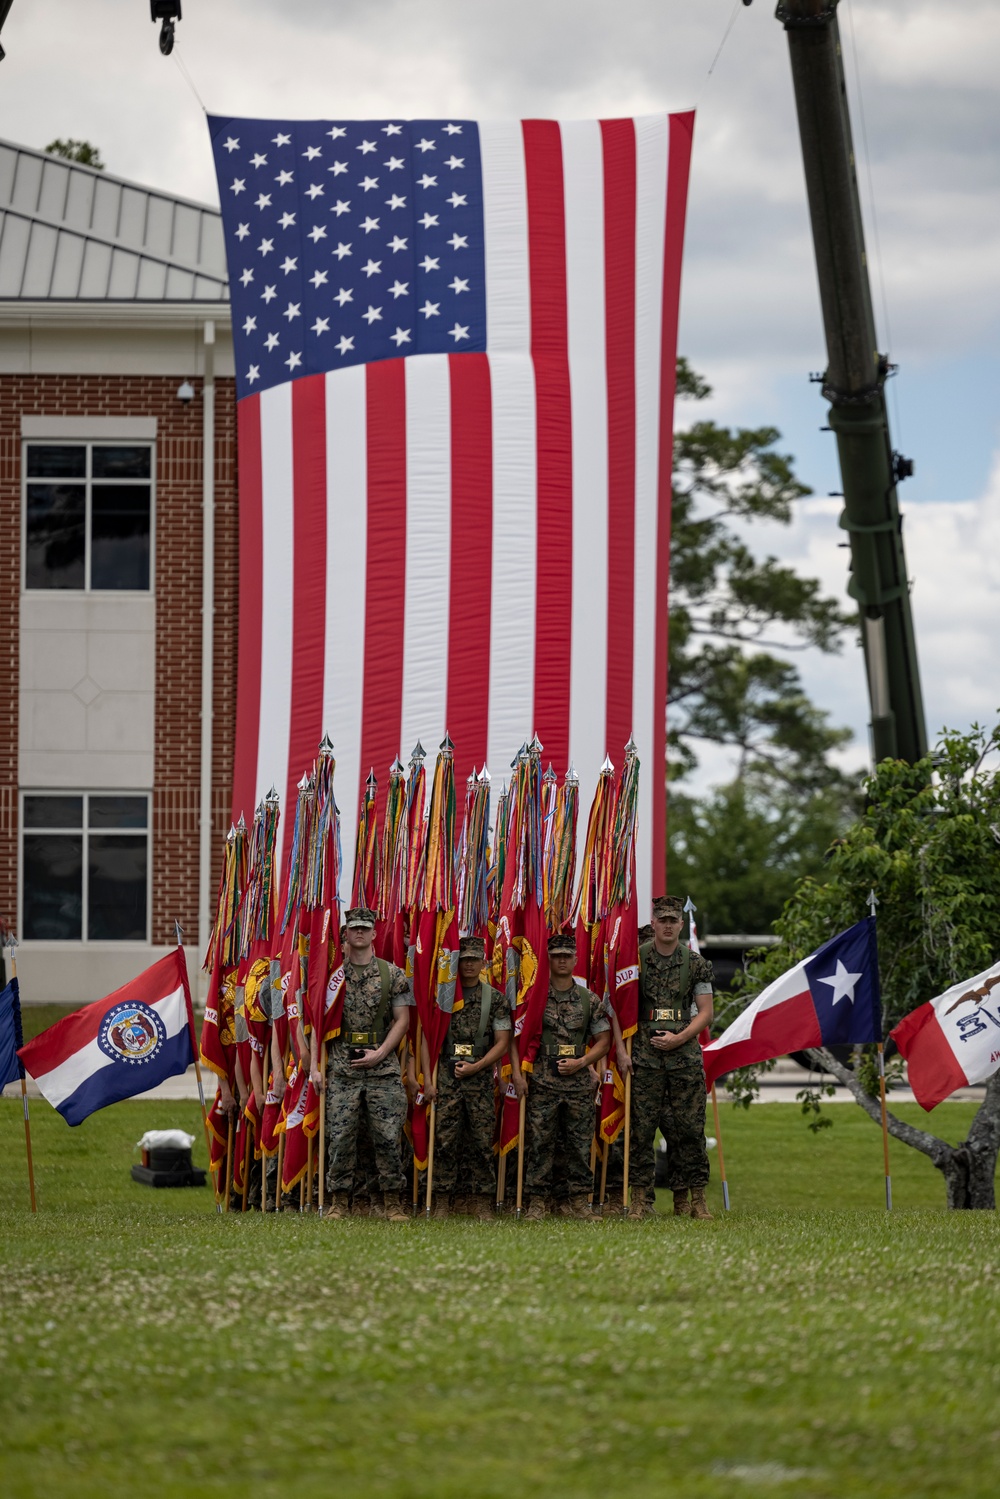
{"x":357,"y":938}
{"x":562,"y":964}
{"x":668,"y":928}
{"x":469,"y":968}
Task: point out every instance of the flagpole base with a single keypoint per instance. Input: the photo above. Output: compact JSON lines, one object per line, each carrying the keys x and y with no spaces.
{"x":888,"y":1194}
{"x":725,"y":1196}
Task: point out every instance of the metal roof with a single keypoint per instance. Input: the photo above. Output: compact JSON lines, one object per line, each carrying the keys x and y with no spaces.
{"x":70,"y":233}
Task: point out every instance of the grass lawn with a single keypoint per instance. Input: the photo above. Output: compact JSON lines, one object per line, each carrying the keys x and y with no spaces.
{"x":808,"y":1343}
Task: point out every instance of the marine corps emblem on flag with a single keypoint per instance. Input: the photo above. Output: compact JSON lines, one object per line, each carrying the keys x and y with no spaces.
{"x":131,"y":1033}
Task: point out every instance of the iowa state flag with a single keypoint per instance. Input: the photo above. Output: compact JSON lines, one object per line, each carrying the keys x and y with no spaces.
{"x":831,"y":998}
{"x":118,"y":1047}
{"x":952,"y":1041}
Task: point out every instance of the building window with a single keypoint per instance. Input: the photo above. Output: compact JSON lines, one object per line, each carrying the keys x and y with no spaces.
{"x":85,"y":867}
{"x":87,"y":515}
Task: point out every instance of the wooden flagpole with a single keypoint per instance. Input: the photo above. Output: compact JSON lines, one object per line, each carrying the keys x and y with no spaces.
{"x":628,"y":1127}
{"x":718,"y":1146}
{"x":229,"y":1162}
{"x":872,"y":904}
{"x":281,"y":1161}
{"x":307,"y":1202}
{"x":430,"y":1144}
{"x":416,"y":1168}
{"x":520,"y":1156}
{"x":501,"y":1177}
{"x":885,"y":1128}
{"x":179,"y":933}
{"x":24,"y":1091}
{"x":605,"y":1151}
{"x":247,"y":1158}
{"x":593,"y":1166}
{"x":322,"y":1129}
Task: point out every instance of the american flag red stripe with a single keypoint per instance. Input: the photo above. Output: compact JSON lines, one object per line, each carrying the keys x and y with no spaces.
{"x":491,"y":528}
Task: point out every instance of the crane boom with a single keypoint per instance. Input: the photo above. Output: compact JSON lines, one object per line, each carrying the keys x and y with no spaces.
{"x":854,"y":382}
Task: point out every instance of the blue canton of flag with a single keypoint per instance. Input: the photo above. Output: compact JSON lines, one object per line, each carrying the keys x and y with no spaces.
{"x":10,"y":1034}
{"x":350,"y":242}
{"x":843,"y":980}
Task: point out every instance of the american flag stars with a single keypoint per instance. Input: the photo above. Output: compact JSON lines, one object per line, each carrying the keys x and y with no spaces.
{"x":409,"y":236}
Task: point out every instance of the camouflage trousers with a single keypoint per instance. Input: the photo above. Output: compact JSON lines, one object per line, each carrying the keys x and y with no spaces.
{"x":671,"y":1099}
{"x":559,"y":1118}
{"x":465,"y":1120}
{"x":381,"y":1101}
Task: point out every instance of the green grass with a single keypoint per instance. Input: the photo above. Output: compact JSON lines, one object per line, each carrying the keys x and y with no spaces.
{"x":808,"y":1343}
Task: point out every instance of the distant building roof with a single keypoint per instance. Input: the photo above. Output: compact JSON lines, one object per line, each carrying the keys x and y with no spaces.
{"x":70,"y":233}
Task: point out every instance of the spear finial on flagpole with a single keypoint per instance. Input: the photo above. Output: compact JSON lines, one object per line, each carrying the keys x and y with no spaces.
{"x":397,"y":768}
{"x":241,"y":826}
{"x":484,"y":777}
{"x":689,"y":907}
{"x":572,"y":779}
{"x":371,"y":782}
{"x":550,"y":774}
{"x":535,"y":747}
{"x":871,"y":902}
{"x":326,"y":745}
{"x":446,"y":747}
{"x":418,"y":755}
{"x":631,"y":748}
{"x":607,"y":769}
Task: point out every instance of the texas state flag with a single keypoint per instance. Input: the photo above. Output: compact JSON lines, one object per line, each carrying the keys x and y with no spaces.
{"x":120,"y":1046}
{"x":952,"y":1041}
{"x":831,"y":998}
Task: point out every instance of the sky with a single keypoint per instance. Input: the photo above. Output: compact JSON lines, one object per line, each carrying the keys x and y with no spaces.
{"x":922,"y":80}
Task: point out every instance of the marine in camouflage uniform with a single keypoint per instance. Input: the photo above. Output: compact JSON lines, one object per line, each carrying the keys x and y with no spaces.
{"x":560,"y":1109}
{"x":668,"y":1087}
{"x":376,"y":997}
{"x":465,"y":1114}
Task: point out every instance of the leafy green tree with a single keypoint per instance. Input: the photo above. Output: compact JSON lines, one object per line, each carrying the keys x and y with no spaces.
{"x":927,"y":843}
{"x":730,"y":611}
{"x":81,"y":151}
{"x":741,"y":849}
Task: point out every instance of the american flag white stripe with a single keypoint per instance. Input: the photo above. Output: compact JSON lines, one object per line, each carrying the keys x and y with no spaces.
{"x":583,"y":175}
{"x":399,"y":442}
{"x":512,"y":616}
{"x":428,"y":551}
{"x":505,"y":224}
{"x":652,"y":139}
{"x":346,"y":562}
{"x":277,"y":593}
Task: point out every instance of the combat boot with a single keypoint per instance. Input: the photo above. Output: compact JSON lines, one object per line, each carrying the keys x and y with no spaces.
{"x":580,"y":1208}
{"x":638,"y":1207}
{"x":483,"y":1210}
{"x":361,"y":1207}
{"x":699,"y":1207}
{"x":534,"y":1210}
{"x":339,"y":1206}
{"x":563,"y":1208}
{"x":393,"y":1208}
{"x":682,"y":1206}
{"x":440,"y":1208}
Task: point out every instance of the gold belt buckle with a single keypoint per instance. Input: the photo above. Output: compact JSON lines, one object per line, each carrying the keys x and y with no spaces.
{"x":359,"y":1038}
{"x":461,"y":1050}
{"x":567,"y":1051}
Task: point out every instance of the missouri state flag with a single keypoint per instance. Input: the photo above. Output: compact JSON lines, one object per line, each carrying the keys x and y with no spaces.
{"x":831,"y":998}
{"x":140,"y":1035}
{"x":952,"y":1041}
{"x":454,"y":346}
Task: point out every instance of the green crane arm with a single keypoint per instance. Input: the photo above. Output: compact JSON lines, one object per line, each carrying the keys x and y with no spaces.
{"x":854,"y":382}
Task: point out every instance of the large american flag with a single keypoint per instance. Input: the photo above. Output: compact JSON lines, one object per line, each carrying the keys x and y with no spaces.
{"x":455,"y":346}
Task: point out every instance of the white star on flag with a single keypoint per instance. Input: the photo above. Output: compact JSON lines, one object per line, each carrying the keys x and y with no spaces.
{"x":842,"y":983}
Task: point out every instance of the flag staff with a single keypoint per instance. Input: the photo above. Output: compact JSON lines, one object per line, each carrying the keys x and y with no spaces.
{"x":520,"y":1157}
{"x":430,"y":1142}
{"x":628,"y":1126}
{"x":705,"y":1037}
{"x":322,"y":1133}
{"x":179,"y":934}
{"x":229,"y":1163}
{"x":12,"y":940}
{"x":872,"y":903}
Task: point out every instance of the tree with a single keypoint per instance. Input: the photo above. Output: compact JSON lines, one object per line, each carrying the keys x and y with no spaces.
{"x":729,"y":611}
{"x":81,"y":151}
{"x":927,"y":844}
{"x":741,"y":850}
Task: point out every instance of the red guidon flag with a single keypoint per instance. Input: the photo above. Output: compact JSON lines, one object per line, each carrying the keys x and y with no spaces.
{"x":455,"y":347}
{"x":952,"y":1041}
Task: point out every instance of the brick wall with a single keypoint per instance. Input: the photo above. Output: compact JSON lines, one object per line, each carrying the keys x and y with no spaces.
{"x":178,"y":617}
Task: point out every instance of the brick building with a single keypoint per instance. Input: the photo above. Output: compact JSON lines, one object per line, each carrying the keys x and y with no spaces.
{"x":119,"y":522}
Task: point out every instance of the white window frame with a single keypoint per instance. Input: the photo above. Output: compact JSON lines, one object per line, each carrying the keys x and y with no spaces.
{"x":94,"y":943}
{"x":95,"y":439}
